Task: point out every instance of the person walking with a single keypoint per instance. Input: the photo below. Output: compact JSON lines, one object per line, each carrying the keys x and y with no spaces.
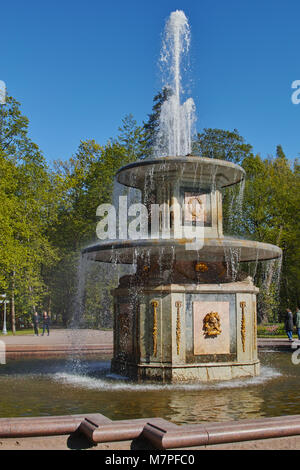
{"x":289,"y":324}
{"x":46,"y":323}
{"x":298,"y":321}
{"x":35,"y":323}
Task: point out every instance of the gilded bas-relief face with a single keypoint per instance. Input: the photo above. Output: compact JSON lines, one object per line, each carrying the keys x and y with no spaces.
{"x":212,"y":324}
{"x":196,"y":207}
{"x":211,"y":328}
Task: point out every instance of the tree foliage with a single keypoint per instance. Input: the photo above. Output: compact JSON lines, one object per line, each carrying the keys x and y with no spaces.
{"x":28,"y":198}
{"x":48,"y":214}
{"x":222,"y":144}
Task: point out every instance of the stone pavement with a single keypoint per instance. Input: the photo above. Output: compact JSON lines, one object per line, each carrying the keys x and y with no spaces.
{"x":60,"y":341}
{"x":277,"y":344}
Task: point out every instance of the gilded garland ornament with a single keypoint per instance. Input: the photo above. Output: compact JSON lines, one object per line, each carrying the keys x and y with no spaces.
{"x":154,"y":334}
{"x":178,"y":305}
{"x":243,"y":325}
{"x":255,"y":327}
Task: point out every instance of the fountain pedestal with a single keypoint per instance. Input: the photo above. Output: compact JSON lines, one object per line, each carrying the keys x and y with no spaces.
{"x":183,"y":333}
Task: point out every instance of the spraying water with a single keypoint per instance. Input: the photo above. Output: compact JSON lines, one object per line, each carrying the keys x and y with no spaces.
{"x":176,"y":120}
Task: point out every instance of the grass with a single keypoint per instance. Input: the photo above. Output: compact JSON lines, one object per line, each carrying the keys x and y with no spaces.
{"x":273,"y":330}
{"x":273,"y":336}
{"x":19,"y":333}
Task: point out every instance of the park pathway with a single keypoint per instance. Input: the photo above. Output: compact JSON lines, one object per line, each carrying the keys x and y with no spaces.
{"x":59,"y":342}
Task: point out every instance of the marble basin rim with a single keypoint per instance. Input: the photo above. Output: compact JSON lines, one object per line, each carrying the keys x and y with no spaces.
{"x":202,"y":170}
{"x":213,"y":250}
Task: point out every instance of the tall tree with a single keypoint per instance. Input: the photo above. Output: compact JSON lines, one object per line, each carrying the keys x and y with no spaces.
{"x":270,"y":203}
{"x":132,"y":138}
{"x":151,"y":126}
{"x":27,"y":207}
{"x":222,"y":144}
{"x":88,"y":181}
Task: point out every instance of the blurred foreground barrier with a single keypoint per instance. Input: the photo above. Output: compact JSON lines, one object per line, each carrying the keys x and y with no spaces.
{"x":155,"y":433}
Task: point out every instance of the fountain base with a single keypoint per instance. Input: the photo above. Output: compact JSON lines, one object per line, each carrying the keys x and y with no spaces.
{"x":185,"y":373}
{"x":185,"y":332}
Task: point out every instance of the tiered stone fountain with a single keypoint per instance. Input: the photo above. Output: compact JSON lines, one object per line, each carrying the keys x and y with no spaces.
{"x":183,"y":316}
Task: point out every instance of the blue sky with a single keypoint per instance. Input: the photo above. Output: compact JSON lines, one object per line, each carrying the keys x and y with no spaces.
{"x":79,"y":67}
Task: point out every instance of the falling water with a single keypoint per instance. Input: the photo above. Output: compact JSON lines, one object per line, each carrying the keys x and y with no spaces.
{"x":176,"y":120}
{"x":232,"y":259}
{"x":270,"y":286}
{"x":78,"y":303}
{"x":235,"y":210}
{"x":78,"y":314}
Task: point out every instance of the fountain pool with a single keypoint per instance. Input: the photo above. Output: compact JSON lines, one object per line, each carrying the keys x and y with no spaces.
{"x":43,"y":387}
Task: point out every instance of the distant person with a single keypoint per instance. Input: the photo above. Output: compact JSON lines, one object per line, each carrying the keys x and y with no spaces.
{"x":298,"y":321}
{"x":35,"y":323}
{"x":46,"y":323}
{"x":289,"y":324}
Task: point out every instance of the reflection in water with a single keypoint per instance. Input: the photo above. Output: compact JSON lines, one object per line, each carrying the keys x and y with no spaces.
{"x":217,"y":406}
{"x":45,"y":387}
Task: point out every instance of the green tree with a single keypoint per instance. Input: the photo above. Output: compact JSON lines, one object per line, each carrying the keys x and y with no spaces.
{"x":151,"y":126}
{"x":132,"y":138}
{"x":222,"y":144}
{"x":87,"y":180}
{"x":27,"y":195}
{"x":270,"y":204}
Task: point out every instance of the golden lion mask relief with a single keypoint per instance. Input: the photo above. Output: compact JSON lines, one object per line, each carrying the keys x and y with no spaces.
{"x":212,"y":324}
{"x":194,"y":204}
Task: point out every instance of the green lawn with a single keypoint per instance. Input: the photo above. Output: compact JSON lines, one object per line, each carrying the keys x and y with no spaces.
{"x":19,"y":332}
{"x":274,"y":336}
{"x":273,"y":330}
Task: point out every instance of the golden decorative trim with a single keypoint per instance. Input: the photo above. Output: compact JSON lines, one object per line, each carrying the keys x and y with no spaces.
{"x":255,"y":327}
{"x":201,"y":267}
{"x":154,"y":304}
{"x":178,"y":305}
{"x":212,"y":324}
{"x":243,"y":324}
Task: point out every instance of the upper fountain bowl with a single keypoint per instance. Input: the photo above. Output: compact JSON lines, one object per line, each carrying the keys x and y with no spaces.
{"x":207,"y":171}
{"x":213,"y":250}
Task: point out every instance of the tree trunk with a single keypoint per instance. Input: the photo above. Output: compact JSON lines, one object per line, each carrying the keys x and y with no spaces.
{"x":49,"y":306}
{"x":12,"y":304}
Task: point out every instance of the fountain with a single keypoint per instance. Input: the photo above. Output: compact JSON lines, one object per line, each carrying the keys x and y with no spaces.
{"x":186,"y":314}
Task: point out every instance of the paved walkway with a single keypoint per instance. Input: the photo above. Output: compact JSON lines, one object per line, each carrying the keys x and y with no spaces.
{"x":59,"y":342}
{"x":277,"y":344}
{"x":74,"y":337}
